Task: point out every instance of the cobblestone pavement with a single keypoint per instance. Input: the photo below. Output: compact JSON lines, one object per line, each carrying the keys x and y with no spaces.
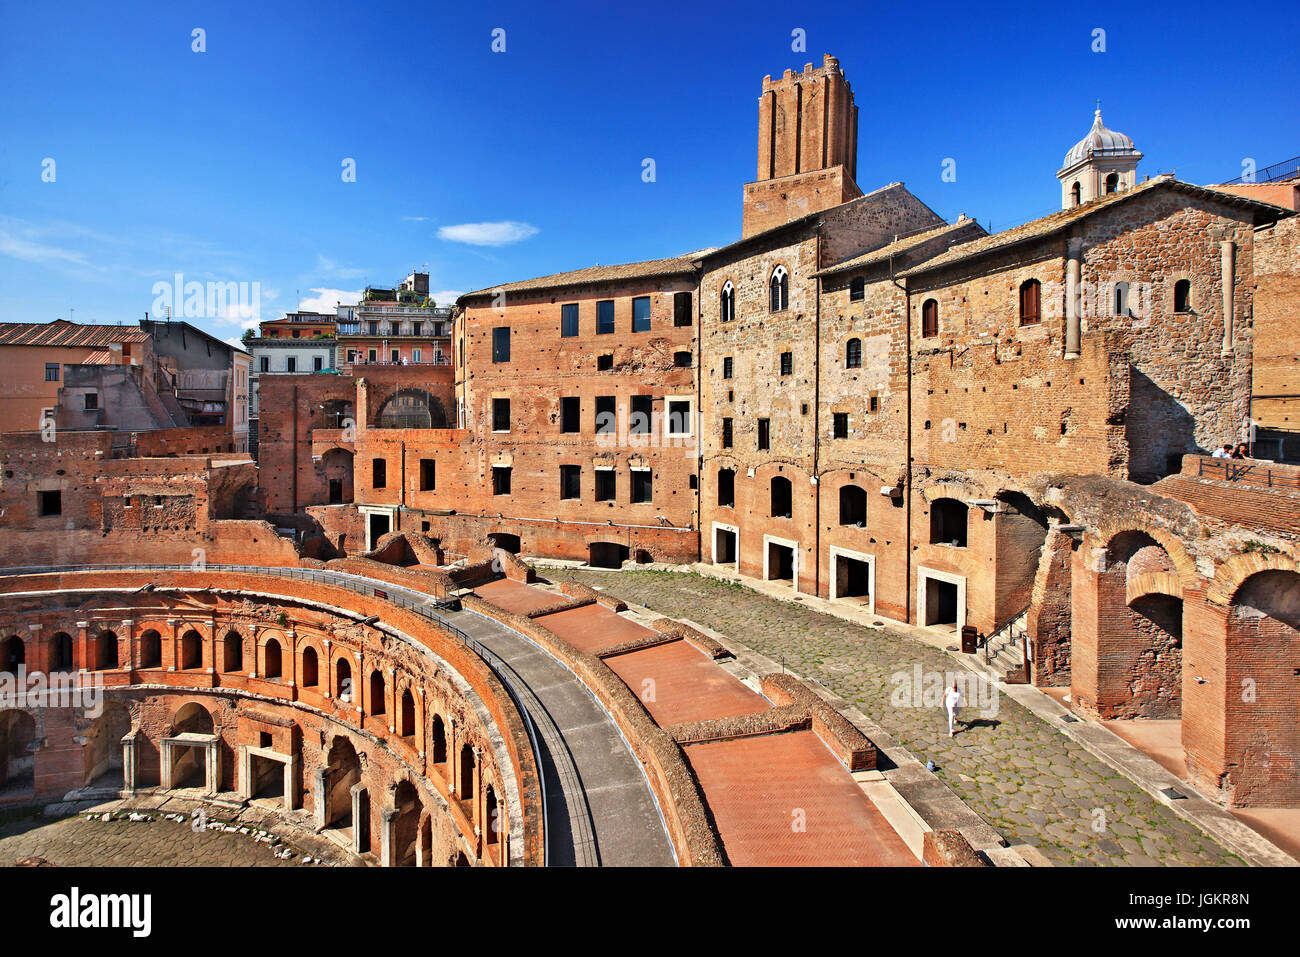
{"x":1029,"y":781}
{"x":74,"y":841}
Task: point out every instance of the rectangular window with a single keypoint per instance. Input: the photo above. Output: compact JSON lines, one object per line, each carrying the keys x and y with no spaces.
{"x":501,"y":344}
{"x":50,"y":503}
{"x":291,"y":364}
{"x":500,"y":415}
{"x":571,"y":414}
{"x":727,"y":367}
{"x":841,"y":425}
{"x":500,"y":480}
{"x":569,"y":320}
{"x":682,"y":309}
{"x":873,"y":404}
{"x":682,"y":360}
{"x":428,"y":475}
{"x":726,"y":433}
{"x":92,"y":401}
{"x":396,"y":356}
{"x":374,"y":356}
{"x":639,"y":421}
{"x":642,"y":485}
{"x":317,"y":363}
{"x":604,"y":362}
{"x":51,"y":372}
{"x":605,"y":485}
{"x":378,"y":473}
{"x":605,"y":316}
{"x":641,"y":314}
{"x":416,"y":354}
{"x":570,"y":481}
{"x":374,"y":327}
{"x":417,"y":328}
{"x":678,"y":412}
{"x":726,"y":488}
{"x":857,"y":289}
{"x":606,"y":415}
{"x":787,"y":363}
{"x":764,"y":435}
{"x":264,"y":364}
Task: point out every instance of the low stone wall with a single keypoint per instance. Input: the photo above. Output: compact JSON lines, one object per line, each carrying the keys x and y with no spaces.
{"x":850,"y":745}
{"x":948,"y":848}
{"x":675,"y":629}
{"x":772,"y":721}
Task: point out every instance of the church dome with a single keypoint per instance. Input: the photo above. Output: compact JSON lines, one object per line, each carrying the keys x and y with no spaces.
{"x":1098,"y":141}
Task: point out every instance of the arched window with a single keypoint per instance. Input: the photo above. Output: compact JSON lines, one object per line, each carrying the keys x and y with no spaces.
{"x":343,"y":680}
{"x":1112,"y":183}
{"x":1121,"y":299}
{"x":62,"y":652}
{"x":782,"y":498}
{"x":779,"y":289}
{"x":107,"y":650}
{"x":232,"y":652}
{"x":948,"y":522}
{"x":272,"y":659}
{"x":857,"y":289}
{"x":492,"y":812}
{"x":466,"y":773}
{"x":407,"y":726}
{"x":726,"y":488}
{"x":310,"y":676}
{"x":1183,"y":296}
{"x":853,"y":354}
{"x":727,"y":302}
{"x":1076,"y":194}
{"x":14,"y":654}
{"x":191,"y":651}
{"x":853,"y":506}
{"x":376,"y":692}
{"x":930,"y":318}
{"x":1030,"y":302}
{"x":439,"y":740}
{"x":151,"y":649}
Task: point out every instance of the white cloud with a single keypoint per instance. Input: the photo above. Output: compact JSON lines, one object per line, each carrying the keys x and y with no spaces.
{"x":336,"y":270}
{"x":415,"y":219}
{"x":327,"y":300}
{"x":31,"y":251}
{"x":487,"y":234}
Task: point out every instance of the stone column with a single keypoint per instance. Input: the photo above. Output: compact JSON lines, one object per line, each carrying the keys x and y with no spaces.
{"x":176,"y":624}
{"x":1073,"y":321}
{"x":360,"y":817}
{"x":387,"y":835}
{"x":81,"y":653}
{"x":245,"y":767}
{"x":127,"y":639}
{"x":291,"y":783}
{"x":319,"y":790}
{"x":1227,"y":270}
{"x":390,"y":692}
{"x":212,"y":767}
{"x":129,"y":771}
{"x":165,"y":764}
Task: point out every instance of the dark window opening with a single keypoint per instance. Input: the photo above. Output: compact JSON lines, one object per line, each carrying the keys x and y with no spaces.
{"x":726,"y":488}
{"x":639,"y":421}
{"x":1183,"y":296}
{"x":92,"y":401}
{"x":641,"y":314}
{"x":782,"y":498}
{"x":642,"y":485}
{"x":764,"y":435}
{"x":787,"y":363}
{"x":500,"y":415}
{"x":727,"y":303}
{"x":857,"y":289}
{"x":570,"y":414}
{"x":930,"y":318}
{"x":841,"y":425}
{"x":606,"y":415}
{"x":779,"y":290}
{"x":428,"y":475}
{"x":501,"y":344}
{"x":853,"y":506}
{"x":500,"y":480}
{"x":606,"y":485}
{"x":682,"y":360}
{"x":1030,"y":302}
{"x":379,"y":473}
{"x":727,"y":367}
{"x":726,"y":433}
{"x":604,"y":362}
{"x":570,"y":481}
{"x":682,"y":309}
{"x":948,"y":522}
{"x":569,"y":320}
{"x":605,"y":317}
{"x":853,"y":354}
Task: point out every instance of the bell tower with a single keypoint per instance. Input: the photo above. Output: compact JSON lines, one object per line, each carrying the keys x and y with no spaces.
{"x":807,"y":147}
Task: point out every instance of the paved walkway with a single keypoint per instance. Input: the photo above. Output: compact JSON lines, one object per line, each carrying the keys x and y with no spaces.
{"x":1030,"y":782}
{"x":599,"y":806}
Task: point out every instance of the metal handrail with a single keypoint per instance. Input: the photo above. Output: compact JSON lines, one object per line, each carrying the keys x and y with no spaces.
{"x":1004,"y":627}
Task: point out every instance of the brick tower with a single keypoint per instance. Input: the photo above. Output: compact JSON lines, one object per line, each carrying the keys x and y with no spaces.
{"x":807,"y":147}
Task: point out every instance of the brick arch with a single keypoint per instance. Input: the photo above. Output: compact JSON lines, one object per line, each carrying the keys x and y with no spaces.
{"x":932,"y":493}
{"x":1232,"y":574}
{"x":1184,"y":565}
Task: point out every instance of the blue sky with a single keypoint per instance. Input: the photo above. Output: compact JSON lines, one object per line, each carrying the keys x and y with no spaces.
{"x":226,"y":165}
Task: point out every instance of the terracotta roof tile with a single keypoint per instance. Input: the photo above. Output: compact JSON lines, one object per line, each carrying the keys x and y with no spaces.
{"x":596,"y":274}
{"x":60,"y":332}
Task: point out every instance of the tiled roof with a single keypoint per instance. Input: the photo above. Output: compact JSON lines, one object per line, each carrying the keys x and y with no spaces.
{"x":60,"y":332}
{"x":1054,"y":223}
{"x":597,"y":274}
{"x":896,"y":247}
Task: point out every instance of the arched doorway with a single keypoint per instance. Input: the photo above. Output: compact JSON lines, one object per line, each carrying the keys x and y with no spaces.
{"x":406,"y":801}
{"x":13,"y":654}
{"x":189,"y":769}
{"x":17,"y":754}
{"x":344,"y":772}
{"x":104,"y":747}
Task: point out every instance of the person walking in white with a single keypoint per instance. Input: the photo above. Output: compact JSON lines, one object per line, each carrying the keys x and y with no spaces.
{"x":953,"y":701}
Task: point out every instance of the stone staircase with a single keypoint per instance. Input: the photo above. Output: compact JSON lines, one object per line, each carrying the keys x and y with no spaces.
{"x":1006,"y":646}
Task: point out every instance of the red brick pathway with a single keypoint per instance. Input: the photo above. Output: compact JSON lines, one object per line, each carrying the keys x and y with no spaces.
{"x":687,"y":686}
